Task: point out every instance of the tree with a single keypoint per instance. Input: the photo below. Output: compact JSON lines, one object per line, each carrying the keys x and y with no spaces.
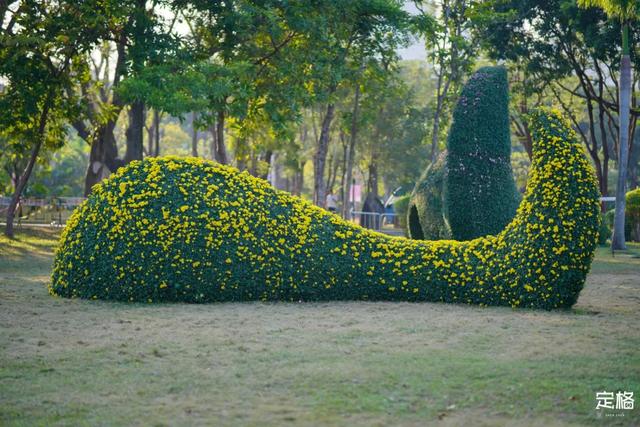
{"x":452,"y":53}
{"x":567,"y":56}
{"x":346,"y":34}
{"x":626,"y":11}
{"x":41,"y":44}
{"x":131,"y":37}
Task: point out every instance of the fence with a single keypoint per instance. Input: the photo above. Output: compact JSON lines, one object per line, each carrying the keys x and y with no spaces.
{"x":51,"y":211}
{"x":387,"y":223}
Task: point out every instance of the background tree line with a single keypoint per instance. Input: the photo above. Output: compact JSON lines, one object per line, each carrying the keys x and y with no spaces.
{"x":311,"y":95}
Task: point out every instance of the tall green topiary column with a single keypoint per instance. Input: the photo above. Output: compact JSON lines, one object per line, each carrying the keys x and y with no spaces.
{"x":481,"y":195}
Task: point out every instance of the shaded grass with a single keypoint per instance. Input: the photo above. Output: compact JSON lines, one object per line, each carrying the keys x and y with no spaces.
{"x":81,"y":362}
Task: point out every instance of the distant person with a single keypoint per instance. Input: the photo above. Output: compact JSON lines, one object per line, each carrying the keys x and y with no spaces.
{"x":331,"y":202}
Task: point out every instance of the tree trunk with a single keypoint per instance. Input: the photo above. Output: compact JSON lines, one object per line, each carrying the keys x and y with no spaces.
{"x":298,"y":181}
{"x":135,"y":132}
{"x":267,"y":158}
{"x":372,"y":184}
{"x":103,"y":158}
{"x":320,"y":158}
{"x":221,"y":151}
{"x":213,"y":144}
{"x":24,"y":177}
{"x":441,"y":93}
{"x":617,"y":240}
{"x":434,"y":135}
{"x":194,"y":136}
{"x":156,"y":126}
{"x":343,"y":170}
{"x":346,"y":203}
{"x":150,"y":137}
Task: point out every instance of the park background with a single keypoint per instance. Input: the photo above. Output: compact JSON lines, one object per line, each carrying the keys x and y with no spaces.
{"x":311,"y":96}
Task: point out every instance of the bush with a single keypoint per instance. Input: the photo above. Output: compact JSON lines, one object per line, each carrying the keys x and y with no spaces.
{"x":604,"y":231}
{"x":481,"y":194}
{"x":401,"y":207}
{"x":169,"y":229}
{"x":470,"y":191}
{"x":632,"y":215}
{"x":425,"y":217}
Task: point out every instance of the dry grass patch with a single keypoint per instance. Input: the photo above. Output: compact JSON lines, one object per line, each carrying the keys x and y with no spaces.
{"x":85,"y":362}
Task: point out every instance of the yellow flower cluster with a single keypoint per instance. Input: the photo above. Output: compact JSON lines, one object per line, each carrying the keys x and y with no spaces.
{"x":171,"y":229}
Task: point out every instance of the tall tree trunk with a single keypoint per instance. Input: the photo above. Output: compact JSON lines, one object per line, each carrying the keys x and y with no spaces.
{"x":156,"y":126}
{"x":103,"y":158}
{"x":605,"y":150}
{"x":617,"y":240}
{"x":442,"y":90}
{"x":150,"y":137}
{"x":320,"y":158}
{"x":298,"y":180}
{"x":213,"y":144}
{"x":24,"y":177}
{"x":372,"y":183}
{"x":221,"y":150}
{"x":435,"y":134}
{"x":346,"y":203}
{"x":194,"y":136}
{"x":343,"y":171}
{"x":135,"y":132}
{"x":267,"y":158}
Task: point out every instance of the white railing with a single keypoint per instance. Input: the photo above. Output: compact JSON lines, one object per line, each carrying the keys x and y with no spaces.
{"x":50,"y":211}
{"x":377,"y":221}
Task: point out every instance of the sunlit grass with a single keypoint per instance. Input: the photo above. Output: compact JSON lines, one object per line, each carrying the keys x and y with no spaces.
{"x":79,"y":362}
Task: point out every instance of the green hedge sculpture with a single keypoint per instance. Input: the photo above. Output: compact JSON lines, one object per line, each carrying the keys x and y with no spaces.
{"x":425,"y":217}
{"x":471,"y":191}
{"x":632,"y":215}
{"x":481,"y":194}
{"x":170,"y":229}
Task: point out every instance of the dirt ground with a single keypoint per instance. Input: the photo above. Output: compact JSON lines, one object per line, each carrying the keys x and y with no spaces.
{"x":76,"y":362}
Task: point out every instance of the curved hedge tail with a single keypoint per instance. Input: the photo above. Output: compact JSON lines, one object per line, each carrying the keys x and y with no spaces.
{"x":169,"y":229}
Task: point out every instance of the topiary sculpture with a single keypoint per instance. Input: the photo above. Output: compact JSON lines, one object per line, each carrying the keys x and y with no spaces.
{"x":470,"y":191}
{"x":169,"y":229}
{"x":425,"y":217}
{"x":481,"y":194}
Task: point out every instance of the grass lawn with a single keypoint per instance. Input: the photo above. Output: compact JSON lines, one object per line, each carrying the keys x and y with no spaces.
{"x":79,"y":362}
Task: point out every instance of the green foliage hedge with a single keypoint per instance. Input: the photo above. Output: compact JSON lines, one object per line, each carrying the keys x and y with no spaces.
{"x":401,"y":207}
{"x":631,"y":216}
{"x":169,"y":229}
{"x":481,"y":194}
{"x":470,"y":191}
{"x":426,"y":219}
{"x":604,"y":231}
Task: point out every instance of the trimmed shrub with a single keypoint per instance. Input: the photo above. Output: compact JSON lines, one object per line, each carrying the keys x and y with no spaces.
{"x":425,"y":217}
{"x":481,"y":194}
{"x":169,"y":229}
{"x":401,"y":207}
{"x":632,"y":215}
{"x":604,"y":231}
